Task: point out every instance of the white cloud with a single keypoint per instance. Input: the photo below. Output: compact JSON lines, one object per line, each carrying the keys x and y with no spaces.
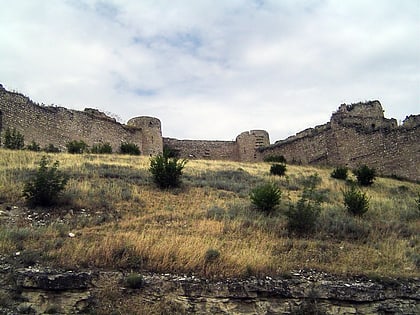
{"x":213,"y":69}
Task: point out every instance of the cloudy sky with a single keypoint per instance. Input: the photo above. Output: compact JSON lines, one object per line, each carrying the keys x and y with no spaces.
{"x":210,"y":69}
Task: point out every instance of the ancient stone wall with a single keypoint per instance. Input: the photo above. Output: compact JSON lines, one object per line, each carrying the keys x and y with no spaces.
{"x":58,"y":126}
{"x":357,"y":134}
{"x":200,"y":149}
{"x":242,"y":149}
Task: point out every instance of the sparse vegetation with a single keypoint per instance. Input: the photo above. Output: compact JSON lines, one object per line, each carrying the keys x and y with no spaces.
{"x":34,"y":147}
{"x":122,"y":221}
{"x":365,"y":175}
{"x":340,"y":172}
{"x":134,"y":281}
{"x":129,"y":148}
{"x":101,"y":148}
{"x":278,"y":169}
{"x":275,"y":159}
{"x":13,"y":139}
{"x":166,"y":171}
{"x":355,"y":201}
{"x":46,"y":185}
{"x":266,"y":197}
{"x":77,"y":147}
{"x":51,"y":148}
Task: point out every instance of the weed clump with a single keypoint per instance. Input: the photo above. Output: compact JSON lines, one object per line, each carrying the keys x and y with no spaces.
{"x":275,"y":159}
{"x":278,"y":169}
{"x":51,"y":148}
{"x":365,"y":175}
{"x":355,"y":201}
{"x":134,"y":281}
{"x":45,"y":187}
{"x":13,"y":139}
{"x":33,"y":147}
{"x":302,"y":217}
{"x":266,"y":197}
{"x":211,"y":255}
{"x":129,"y":148}
{"x":340,"y":172}
{"x":166,"y":171}
{"x":77,"y":147}
{"x":101,"y":148}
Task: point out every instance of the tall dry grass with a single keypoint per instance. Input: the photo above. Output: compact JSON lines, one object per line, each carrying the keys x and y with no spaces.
{"x":121,"y":220}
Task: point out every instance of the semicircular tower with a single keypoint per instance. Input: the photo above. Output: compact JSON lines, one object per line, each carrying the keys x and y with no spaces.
{"x":152,"y":142}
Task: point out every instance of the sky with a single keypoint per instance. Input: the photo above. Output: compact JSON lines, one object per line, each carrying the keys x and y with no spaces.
{"x":211,"y":69}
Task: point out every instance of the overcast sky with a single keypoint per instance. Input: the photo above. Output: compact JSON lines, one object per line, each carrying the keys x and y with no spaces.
{"x":210,"y":69}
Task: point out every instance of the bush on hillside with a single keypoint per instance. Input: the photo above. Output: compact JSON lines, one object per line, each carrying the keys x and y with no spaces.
{"x":275,"y":159}
{"x":340,"y":172}
{"x":34,"y":147}
{"x":355,"y":201}
{"x":44,"y":188}
{"x":302,"y":217}
{"x":77,"y":147}
{"x":166,"y":171}
{"x":266,"y":197}
{"x":13,"y":139}
{"x":101,"y":148}
{"x":278,"y":169}
{"x":365,"y":175}
{"x":50,"y":148}
{"x":129,"y":148}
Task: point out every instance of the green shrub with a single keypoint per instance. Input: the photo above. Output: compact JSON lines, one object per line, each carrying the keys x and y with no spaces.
{"x":45,"y":187}
{"x":129,"y":148}
{"x":266,"y":197}
{"x":134,"y":281}
{"x":355,"y":201}
{"x":211,"y":255}
{"x":34,"y":147}
{"x":340,"y":173}
{"x":172,"y":152}
{"x":166,"y":171}
{"x":101,"y":148}
{"x":77,"y":147}
{"x":365,"y":175}
{"x":13,"y":139}
{"x":50,"y":148}
{"x":278,"y":169}
{"x":275,"y":159}
{"x":302,"y":216}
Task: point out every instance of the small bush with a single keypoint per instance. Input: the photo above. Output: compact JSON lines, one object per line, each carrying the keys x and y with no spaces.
{"x":355,"y":201}
{"x":418,"y":201}
{"x":278,"y":169}
{"x":13,"y":139}
{"x":211,"y":255}
{"x":101,"y":148}
{"x":365,"y":175}
{"x":77,"y":147}
{"x":340,"y":172}
{"x":266,"y":197}
{"x":129,"y":148}
{"x":275,"y":159}
{"x":48,"y":183}
{"x":166,"y":171}
{"x":34,"y":147}
{"x":134,"y":281}
{"x":50,"y":148}
{"x":302,"y":217}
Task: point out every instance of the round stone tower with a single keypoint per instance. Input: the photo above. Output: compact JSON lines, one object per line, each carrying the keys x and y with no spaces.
{"x":152,"y":142}
{"x":248,"y":143}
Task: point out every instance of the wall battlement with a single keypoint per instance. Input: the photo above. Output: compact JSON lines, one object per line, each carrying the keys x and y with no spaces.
{"x":356,"y":134}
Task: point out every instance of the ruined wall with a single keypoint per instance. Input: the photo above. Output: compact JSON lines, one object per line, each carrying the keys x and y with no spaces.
{"x":357,"y":134}
{"x":58,"y":126}
{"x":200,"y":149}
{"x":242,"y":149}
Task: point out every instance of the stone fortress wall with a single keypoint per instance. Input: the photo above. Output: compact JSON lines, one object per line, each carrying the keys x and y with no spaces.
{"x":356,"y":134}
{"x":58,"y":126}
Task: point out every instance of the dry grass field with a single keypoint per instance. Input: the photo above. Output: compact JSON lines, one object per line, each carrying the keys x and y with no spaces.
{"x":208,"y":227}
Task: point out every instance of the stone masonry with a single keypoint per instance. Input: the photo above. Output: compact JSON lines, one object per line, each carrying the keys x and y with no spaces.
{"x":356,"y":134}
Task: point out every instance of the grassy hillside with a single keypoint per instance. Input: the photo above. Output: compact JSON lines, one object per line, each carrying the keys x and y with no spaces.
{"x":207,"y":227}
